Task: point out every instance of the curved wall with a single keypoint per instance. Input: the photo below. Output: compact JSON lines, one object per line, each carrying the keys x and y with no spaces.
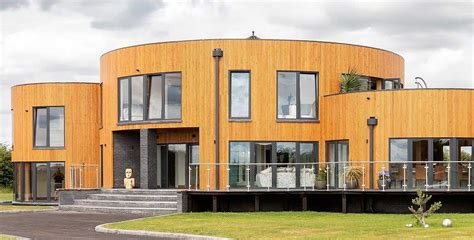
{"x":81,"y":112}
{"x":263,"y":58}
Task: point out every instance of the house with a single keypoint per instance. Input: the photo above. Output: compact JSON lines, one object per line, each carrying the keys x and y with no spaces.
{"x":238,"y":116}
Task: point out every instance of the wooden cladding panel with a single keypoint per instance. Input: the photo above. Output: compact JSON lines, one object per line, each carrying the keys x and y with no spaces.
{"x":179,"y":135}
{"x":263,"y":58}
{"x":81,"y":111}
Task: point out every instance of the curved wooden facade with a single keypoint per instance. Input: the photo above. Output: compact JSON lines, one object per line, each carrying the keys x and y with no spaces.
{"x":401,"y":113}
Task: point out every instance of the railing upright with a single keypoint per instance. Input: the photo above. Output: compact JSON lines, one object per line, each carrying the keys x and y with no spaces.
{"x":196,"y":180}
{"x":426,"y":177}
{"x":228,"y":177}
{"x":363,"y":176}
{"x":327,"y":177}
{"x":344,"y":174}
{"x":189,"y":177}
{"x":404,"y":177}
{"x":469,"y":177}
{"x":449,"y":176}
{"x":248,"y":177}
{"x":383,"y":178}
{"x":304,"y":177}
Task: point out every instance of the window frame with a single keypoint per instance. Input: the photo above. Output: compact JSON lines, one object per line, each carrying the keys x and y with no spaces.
{"x":397,"y":83}
{"x":249,"y":117}
{"x":146,"y":78}
{"x":298,"y":97}
{"x":48,"y":138}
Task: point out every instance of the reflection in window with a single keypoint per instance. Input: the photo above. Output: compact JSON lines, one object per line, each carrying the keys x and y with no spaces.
{"x":124,"y":101}
{"x":137,"y":98}
{"x":297,"y":95}
{"x":286,"y":152}
{"x":398,"y":150}
{"x":155,"y":97}
{"x":392,"y":84}
{"x":239,"y":156}
{"x":173,"y":96}
{"x":240,"y":95}
{"x":52,"y":119}
{"x":307,"y":154}
{"x":287,"y":95}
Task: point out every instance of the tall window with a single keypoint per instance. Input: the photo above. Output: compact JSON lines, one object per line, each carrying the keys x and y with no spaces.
{"x":156,"y":97}
{"x":239,"y":95}
{"x":49,"y":127}
{"x":297,"y":95}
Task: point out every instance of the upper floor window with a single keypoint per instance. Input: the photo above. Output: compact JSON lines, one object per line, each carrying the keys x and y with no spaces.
{"x":297,"y":95}
{"x":392,"y":84}
{"x":239,"y":95}
{"x":48,"y":126}
{"x":155,"y":97}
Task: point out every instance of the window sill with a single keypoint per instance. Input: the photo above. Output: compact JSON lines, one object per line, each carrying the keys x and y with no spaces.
{"x":240,"y":120}
{"x":49,"y":148}
{"x":149,"y":122}
{"x":297,"y":120}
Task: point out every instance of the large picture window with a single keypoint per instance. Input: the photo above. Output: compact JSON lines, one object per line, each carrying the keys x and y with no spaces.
{"x":297,"y":95}
{"x":154,"y":97}
{"x":48,"y":127}
{"x":239,"y":95}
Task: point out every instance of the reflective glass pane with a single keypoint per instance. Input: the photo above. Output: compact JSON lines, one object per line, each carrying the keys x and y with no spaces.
{"x":28,"y":191}
{"x":41,"y":181}
{"x":388,"y":84}
{"x":173,"y":96}
{"x":398,"y":150}
{"x":419,"y":158}
{"x":124,"y":104}
{"x":239,"y":156}
{"x":286,"y":152}
{"x":240,"y":95}
{"x":57,"y":179}
{"x":155,"y":97}
{"x":56,"y":126}
{"x":137,"y":98}
{"x":41,"y":127}
{"x":177,"y":165}
{"x":307,"y":153}
{"x":287,"y":95}
{"x":308,"y":95}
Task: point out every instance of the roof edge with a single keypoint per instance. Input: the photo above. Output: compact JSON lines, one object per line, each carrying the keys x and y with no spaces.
{"x":403,"y":89}
{"x":39,"y":83}
{"x":240,"y":39}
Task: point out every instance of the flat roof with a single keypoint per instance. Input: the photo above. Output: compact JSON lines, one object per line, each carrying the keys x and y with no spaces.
{"x":244,"y":39}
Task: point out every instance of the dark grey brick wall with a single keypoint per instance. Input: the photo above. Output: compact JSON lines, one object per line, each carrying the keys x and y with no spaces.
{"x":126,"y":155}
{"x":148,"y":159}
{"x":66,"y":197}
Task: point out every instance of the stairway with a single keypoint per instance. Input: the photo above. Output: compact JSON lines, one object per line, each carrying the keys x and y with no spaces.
{"x":135,"y":201}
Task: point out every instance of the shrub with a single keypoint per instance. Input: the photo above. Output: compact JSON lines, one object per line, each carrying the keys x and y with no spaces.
{"x":421,"y":214}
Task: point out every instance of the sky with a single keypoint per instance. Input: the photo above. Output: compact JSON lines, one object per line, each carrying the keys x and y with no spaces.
{"x":56,"y":40}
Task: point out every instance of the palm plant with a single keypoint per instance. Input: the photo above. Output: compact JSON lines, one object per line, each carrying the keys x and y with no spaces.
{"x":350,"y":82}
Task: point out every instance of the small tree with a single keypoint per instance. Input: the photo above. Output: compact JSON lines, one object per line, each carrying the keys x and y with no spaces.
{"x":6,"y":166}
{"x":421,"y":214}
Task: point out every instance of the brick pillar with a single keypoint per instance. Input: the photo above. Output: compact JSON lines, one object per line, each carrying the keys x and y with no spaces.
{"x":148,"y":159}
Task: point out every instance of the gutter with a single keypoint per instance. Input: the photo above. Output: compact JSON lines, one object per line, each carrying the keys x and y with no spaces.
{"x":217,"y":53}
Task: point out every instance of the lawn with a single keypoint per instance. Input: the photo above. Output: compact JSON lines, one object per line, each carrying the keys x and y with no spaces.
{"x":6,"y":194}
{"x":304,"y":225}
{"x":7,"y":237}
{"x":22,"y":208}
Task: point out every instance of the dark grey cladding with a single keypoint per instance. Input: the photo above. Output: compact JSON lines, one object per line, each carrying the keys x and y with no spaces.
{"x":148,"y":159}
{"x":126,"y":155}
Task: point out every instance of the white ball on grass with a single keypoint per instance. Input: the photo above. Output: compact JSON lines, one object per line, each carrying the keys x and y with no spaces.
{"x":447,"y":223}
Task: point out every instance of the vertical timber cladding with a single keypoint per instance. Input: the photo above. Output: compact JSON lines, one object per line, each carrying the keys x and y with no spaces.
{"x":81,"y":123}
{"x":263,"y":58}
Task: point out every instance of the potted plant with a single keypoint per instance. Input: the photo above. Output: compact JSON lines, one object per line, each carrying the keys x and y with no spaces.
{"x":321,"y":179}
{"x":350,"y":81}
{"x":353,"y":176}
{"x":384,"y":179}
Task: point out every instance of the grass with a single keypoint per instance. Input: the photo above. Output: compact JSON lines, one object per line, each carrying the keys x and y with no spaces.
{"x":6,"y":194}
{"x":22,"y":208}
{"x":7,"y":237}
{"x":304,"y":225}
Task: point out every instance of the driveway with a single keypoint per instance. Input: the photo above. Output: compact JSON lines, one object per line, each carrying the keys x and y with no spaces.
{"x":60,"y":225}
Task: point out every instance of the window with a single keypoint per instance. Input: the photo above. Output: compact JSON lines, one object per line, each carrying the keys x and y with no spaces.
{"x":239,"y":95}
{"x":398,"y":150}
{"x":367,"y":84}
{"x":48,"y":127}
{"x":239,"y":156}
{"x":155,"y":97}
{"x":297,"y":95}
{"x":392,"y":84}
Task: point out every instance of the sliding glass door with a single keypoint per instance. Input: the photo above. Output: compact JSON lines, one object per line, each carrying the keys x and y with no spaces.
{"x":337,"y":157}
{"x":173,"y":162}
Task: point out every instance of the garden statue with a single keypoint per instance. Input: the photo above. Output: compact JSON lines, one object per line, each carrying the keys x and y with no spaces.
{"x":128,"y":181}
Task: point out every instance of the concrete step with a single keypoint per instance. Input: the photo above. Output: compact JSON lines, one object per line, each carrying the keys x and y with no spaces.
{"x":134,"y":204}
{"x":131,"y":210}
{"x":134,"y":197}
{"x":161,"y":192}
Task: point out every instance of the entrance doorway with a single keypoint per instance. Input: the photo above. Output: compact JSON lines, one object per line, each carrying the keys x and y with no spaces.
{"x":173,"y":164}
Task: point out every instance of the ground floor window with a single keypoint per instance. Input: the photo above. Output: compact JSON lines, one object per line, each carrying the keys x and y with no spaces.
{"x":177,"y":166}
{"x":38,"y":181}
{"x":337,"y":161}
{"x":272,"y":164}
{"x":435,"y":163}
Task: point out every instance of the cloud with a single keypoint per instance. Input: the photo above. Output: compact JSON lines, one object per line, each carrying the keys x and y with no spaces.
{"x":12,"y":4}
{"x":134,"y":15}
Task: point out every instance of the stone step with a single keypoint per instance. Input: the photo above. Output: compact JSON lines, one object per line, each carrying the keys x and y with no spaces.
{"x":134,"y":204}
{"x":141,"y":191}
{"x":134,"y":197}
{"x":131,"y":210}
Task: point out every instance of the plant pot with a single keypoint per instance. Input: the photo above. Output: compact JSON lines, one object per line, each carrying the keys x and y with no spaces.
{"x":321,"y":184}
{"x":380,"y":184}
{"x":351,"y":184}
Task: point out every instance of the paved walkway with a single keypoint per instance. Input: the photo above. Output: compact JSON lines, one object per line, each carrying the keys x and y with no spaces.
{"x":60,"y":225}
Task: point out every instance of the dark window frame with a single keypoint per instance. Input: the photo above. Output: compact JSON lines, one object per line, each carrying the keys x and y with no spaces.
{"x":298,"y":97}
{"x":146,"y":78}
{"x":249,"y":117}
{"x":48,"y":143}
